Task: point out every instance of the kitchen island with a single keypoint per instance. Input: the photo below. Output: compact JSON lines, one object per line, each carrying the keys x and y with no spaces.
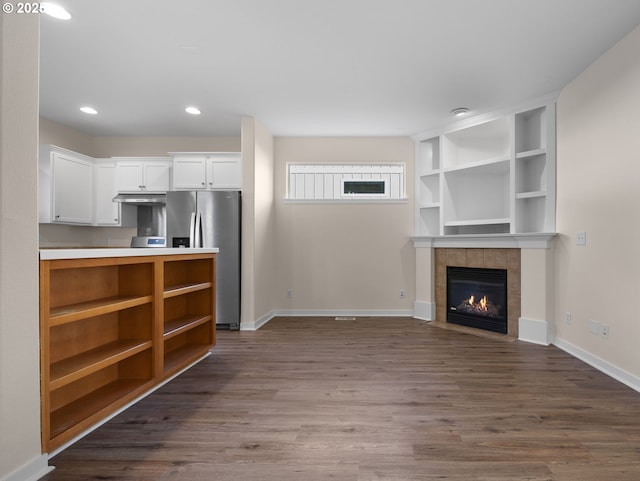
{"x":115,"y":324}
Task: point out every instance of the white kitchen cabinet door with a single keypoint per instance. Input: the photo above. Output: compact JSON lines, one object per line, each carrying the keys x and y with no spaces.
{"x":224,"y":171}
{"x":189,"y":173}
{"x":207,"y":170}
{"x":142,"y":175}
{"x":130,"y":176}
{"x":72,"y":190}
{"x":157,"y":177}
{"x":107,"y":212}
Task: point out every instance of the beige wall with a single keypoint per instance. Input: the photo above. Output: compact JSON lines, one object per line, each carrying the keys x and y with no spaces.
{"x":53,"y":133}
{"x":598,"y":192}
{"x":259,"y":269}
{"x":160,"y":146}
{"x":56,"y":134}
{"x":344,"y":257}
{"x":19,"y":333}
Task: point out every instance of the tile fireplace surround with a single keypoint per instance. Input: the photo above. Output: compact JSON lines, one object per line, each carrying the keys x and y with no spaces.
{"x":527,"y":259}
{"x":508,"y":259}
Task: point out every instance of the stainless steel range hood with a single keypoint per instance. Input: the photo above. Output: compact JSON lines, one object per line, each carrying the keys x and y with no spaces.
{"x":141,"y":199}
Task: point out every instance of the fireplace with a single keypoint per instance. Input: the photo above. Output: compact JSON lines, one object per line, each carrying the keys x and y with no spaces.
{"x":477,"y":297}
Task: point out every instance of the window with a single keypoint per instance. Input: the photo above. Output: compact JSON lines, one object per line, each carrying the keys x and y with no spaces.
{"x":365,"y":187}
{"x":346,"y":182}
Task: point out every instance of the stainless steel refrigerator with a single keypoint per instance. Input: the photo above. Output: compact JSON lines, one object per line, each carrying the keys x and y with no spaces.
{"x":211,"y":219}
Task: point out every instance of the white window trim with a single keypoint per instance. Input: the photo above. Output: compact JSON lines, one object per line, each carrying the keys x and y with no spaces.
{"x":324,"y":183}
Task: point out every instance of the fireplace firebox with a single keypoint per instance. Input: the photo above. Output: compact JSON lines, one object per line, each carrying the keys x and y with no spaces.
{"x":477,"y":297}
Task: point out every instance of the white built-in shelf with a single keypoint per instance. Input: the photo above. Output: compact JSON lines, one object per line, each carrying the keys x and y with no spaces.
{"x":530,"y":153}
{"x":432,"y":205}
{"x":497,"y":166}
{"x":458,"y":223}
{"x":491,"y":175}
{"x":531,"y":195}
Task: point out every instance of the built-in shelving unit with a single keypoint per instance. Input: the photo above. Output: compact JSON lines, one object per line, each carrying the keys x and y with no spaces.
{"x":188,"y":299}
{"x":113,"y":328}
{"x":494,"y":175}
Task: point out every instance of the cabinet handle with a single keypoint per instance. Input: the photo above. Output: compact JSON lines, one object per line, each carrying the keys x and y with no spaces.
{"x":57,"y":216}
{"x":203,"y":184}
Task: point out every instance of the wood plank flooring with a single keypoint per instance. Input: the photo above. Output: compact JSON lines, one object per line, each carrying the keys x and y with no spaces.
{"x":373,"y":399}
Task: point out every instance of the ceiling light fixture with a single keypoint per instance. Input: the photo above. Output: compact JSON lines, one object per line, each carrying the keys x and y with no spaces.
{"x":89,"y":110}
{"x":55,"y":11}
{"x":193,"y":110}
{"x":460,"y":111}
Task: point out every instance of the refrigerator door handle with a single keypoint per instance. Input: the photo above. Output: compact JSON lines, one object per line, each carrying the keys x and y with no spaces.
{"x":192,"y":230}
{"x":199,"y":233}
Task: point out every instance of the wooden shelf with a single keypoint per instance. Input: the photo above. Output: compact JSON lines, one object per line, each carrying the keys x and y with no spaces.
{"x":78,"y":366}
{"x":83,"y":310}
{"x":181,"y":289}
{"x":83,"y":408}
{"x":186,"y":354}
{"x":181,"y":325}
{"x":113,"y":328}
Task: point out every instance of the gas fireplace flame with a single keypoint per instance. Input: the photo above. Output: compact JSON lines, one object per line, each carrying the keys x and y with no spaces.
{"x":481,"y":305}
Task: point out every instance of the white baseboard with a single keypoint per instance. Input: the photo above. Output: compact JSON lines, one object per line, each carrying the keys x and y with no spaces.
{"x":534,"y":330}
{"x":344,"y":312}
{"x":424,"y":310}
{"x":601,"y":365}
{"x":257,"y":324}
{"x":253,"y":326}
{"x":35,"y":469}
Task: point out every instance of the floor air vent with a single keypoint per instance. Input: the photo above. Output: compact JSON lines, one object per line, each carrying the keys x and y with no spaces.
{"x":345,"y":318}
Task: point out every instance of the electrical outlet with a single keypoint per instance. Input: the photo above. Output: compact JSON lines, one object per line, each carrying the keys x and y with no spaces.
{"x":594,"y":327}
{"x":604,"y":330}
{"x":581,"y":239}
{"x":567,"y":317}
{"x":403,"y":294}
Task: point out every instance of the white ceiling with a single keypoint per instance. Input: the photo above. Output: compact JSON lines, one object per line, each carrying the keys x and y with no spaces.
{"x":318,"y":68}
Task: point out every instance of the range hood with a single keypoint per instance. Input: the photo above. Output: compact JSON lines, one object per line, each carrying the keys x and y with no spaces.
{"x":141,"y":199}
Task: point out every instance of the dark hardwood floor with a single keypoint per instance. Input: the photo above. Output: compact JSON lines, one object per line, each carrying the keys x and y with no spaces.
{"x":314,"y":399}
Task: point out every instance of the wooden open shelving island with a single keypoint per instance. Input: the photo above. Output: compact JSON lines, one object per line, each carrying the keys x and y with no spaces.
{"x":115,"y":324}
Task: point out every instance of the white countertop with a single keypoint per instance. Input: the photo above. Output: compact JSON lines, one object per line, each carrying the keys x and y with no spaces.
{"x":54,"y":254}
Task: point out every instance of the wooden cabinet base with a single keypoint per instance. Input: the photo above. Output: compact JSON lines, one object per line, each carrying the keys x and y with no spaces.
{"x":113,"y":329}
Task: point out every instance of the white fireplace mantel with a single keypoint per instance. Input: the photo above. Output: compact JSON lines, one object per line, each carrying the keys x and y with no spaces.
{"x":487,"y":241}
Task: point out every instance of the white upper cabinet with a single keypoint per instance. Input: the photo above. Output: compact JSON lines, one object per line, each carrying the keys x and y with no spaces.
{"x":495,"y":175}
{"x":189,"y":172}
{"x":66,"y":187}
{"x":143,"y":174}
{"x":107,"y":212}
{"x":207,"y":171}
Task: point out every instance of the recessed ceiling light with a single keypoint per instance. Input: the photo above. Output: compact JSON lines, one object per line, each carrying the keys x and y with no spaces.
{"x":56,"y":11}
{"x":193,"y":110}
{"x":89,"y":110}
{"x":460,"y":111}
